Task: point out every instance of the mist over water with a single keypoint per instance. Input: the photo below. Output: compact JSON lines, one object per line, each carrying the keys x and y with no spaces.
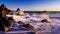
{"x":34,"y":20}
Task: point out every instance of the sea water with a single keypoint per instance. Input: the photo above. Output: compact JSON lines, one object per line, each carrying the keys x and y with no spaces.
{"x":34,"y":20}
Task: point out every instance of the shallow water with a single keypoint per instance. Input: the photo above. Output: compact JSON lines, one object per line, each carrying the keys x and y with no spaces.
{"x":39,"y":27}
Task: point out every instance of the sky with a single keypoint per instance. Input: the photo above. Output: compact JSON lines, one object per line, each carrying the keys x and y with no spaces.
{"x":32,"y":5}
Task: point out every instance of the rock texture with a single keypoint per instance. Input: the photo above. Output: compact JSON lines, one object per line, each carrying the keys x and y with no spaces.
{"x":20,"y":12}
{"x":4,"y":23}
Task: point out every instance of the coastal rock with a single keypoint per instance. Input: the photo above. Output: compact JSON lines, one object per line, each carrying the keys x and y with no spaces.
{"x":20,"y":22}
{"x":45,"y":20}
{"x":4,"y":23}
{"x":27,"y":17}
{"x":30,"y":33}
{"x":28,"y":26}
{"x":20,"y":12}
{"x":7,"y":24}
{"x":3,"y":6}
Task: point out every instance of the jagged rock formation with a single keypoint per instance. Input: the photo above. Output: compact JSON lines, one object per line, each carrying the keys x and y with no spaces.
{"x":4,"y":10}
{"x":4,"y":23}
{"x":18,"y":9}
{"x":20,"y":12}
{"x":3,"y":6}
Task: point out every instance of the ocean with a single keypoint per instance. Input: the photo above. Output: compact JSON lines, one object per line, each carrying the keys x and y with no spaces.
{"x":52,"y":14}
{"x":35,"y":20}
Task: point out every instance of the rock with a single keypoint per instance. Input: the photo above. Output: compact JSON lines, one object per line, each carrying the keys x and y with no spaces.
{"x":0,"y":12}
{"x":3,"y":6}
{"x":6,"y":22}
{"x":4,"y":28}
{"x":9,"y":12}
{"x":28,"y":26}
{"x":5,"y":25}
{"x":44,"y":11}
{"x":3,"y":13}
{"x":45,"y":20}
{"x":20,"y":12}
{"x":27,"y":17}
{"x":1,"y":26}
{"x":3,"y":10}
{"x":20,"y":22}
{"x":18,"y":9}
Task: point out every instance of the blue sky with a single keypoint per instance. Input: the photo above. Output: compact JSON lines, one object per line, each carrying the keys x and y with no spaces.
{"x":32,"y":5}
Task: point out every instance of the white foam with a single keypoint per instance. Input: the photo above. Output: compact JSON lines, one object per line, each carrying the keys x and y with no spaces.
{"x":47,"y":27}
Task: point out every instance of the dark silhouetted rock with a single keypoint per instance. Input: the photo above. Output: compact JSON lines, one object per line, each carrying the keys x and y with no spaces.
{"x":45,"y":20}
{"x":18,"y":9}
{"x":20,"y":22}
{"x":0,"y":12}
{"x":3,"y":13}
{"x":10,"y":18}
{"x":9,"y":12}
{"x":1,"y":26}
{"x":44,"y":11}
{"x":28,"y":26}
{"x":3,"y":6}
{"x":5,"y":25}
{"x":20,"y":12}
{"x":27,"y":17}
{"x":3,"y":10}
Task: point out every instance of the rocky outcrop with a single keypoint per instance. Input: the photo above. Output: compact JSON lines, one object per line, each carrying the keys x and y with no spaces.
{"x":45,"y":21}
{"x":4,"y":23}
{"x":28,"y":26}
{"x":20,"y":12}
